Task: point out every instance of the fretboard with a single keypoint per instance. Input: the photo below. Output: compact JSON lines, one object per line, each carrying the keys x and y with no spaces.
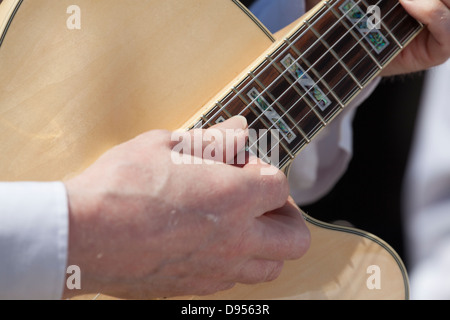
{"x":314,"y":74}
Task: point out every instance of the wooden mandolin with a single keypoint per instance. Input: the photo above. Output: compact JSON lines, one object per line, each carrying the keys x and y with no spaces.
{"x":71,"y":87}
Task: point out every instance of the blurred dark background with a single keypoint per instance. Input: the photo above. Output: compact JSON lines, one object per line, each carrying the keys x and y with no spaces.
{"x":369,"y":195}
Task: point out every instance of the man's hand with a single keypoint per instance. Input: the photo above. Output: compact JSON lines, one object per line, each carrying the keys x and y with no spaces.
{"x":142,"y":226}
{"x":432,"y":46}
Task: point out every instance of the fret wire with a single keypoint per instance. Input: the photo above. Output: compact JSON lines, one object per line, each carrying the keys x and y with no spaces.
{"x":224,"y":110}
{"x":205,"y":119}
{"x":288,"y":151}
{"x":356,"y":37}
{"x":292,"y":121}
{"x":392,"y":29}
{"x":268,"y":126}
{"x":293,"y":84}
{"x":303,"y":33}
{"x":305,"y":72}
{"x":259,"y":83}
{"x":370,"y":51}
{"x":278,"y":104}
{"x":258,"y":117}
{"x":353,"y":46}
{"x":363,"y":38}
{"x":248,"y":105}
{"x":336,"y":63}
{"x":335,"y":55}
{"x":325,"y":84}
{"x":386,"y":28}
{"x":321,"y":80}
{"x":242,"y":98}
{"x":350,"y":50}
{"x":392,"y":35}
{"x":358,"y":2}
{"x":302,"y":98}
{"x":307,"y":29}
{"x":229,"y":115}
{"x":341,"y":18}
{"x":401,"y":20}
{"x":217,"y":105}
{"x":316,"y":83}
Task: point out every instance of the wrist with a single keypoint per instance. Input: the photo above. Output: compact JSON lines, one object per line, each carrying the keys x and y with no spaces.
{"x":81,"y":208}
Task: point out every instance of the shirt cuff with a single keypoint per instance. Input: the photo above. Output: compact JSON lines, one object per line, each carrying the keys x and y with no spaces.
{"x":33,"y":240}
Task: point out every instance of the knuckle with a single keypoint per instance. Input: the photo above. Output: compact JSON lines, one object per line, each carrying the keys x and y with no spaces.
{"x":300,"y":243}
{"x":294,"y":241}
{"x":277,"y":186}
{"x":273,"y":271}
{"x":264,"y":271}
{"x":226,"y":286}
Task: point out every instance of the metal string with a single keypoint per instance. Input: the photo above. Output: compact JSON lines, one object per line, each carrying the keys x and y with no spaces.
{"x":279,"y":55}
{"x":315,"y":84}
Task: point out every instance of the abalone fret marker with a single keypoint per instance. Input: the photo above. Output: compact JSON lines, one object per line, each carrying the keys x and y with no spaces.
{"x":356,"y":16}
{"x":306,"y":82}
{"x":272,"y":115}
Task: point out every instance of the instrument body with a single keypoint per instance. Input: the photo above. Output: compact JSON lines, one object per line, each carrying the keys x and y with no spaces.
{"x":67,"y":95}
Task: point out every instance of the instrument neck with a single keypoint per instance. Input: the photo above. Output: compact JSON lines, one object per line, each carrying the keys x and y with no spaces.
{"x":314,"y":73}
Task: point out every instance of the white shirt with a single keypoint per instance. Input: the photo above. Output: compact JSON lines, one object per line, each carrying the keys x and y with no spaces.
{"x":427,"y":191}
{"x":33,"y":240}
{"x":34,"y":216}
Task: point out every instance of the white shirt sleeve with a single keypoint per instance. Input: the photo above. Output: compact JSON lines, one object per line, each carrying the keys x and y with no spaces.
{"x":321,"y":164}
{"x":33,"y":240}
